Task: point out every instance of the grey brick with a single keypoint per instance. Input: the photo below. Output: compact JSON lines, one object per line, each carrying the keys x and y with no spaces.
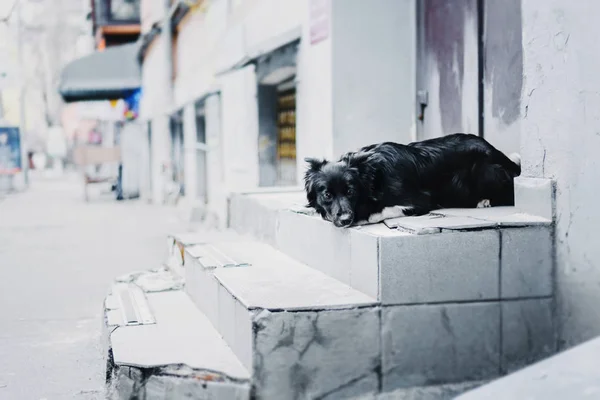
{"x":527,"y":332}
{"x":526,"y":262}
{"x":316,"y":354}
{"x":460,"y":266}
{"x":535,"y":196}
{"x":364,"y":263}
{"x":432,"y":344}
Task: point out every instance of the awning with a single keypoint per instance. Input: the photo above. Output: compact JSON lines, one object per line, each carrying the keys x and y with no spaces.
{"x":105,"y":75}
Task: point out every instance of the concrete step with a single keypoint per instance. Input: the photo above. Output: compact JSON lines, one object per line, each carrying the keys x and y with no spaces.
{"x":255,"y":213}
{"x":178,"y":241}
{"x":301,"y":333}
{"x":160,"y":346}
{"x":465,"y":294}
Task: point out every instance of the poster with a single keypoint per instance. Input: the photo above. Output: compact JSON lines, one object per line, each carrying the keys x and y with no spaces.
{"x":10,"y":150}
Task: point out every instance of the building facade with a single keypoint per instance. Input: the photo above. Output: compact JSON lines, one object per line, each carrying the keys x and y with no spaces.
{"x":237,"y":93}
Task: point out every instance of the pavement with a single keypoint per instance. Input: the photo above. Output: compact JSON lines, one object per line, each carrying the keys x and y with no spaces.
{"x":58,"y":256}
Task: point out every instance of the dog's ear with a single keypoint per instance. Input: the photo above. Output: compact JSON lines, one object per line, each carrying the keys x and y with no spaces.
{"x":314,"y":164}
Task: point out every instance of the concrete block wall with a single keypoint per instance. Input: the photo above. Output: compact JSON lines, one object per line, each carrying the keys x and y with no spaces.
{"x":465,"y":294}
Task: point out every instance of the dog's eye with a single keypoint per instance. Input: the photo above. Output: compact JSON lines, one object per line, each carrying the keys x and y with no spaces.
{"x":327,"y":195}
{"x":350,"y":191}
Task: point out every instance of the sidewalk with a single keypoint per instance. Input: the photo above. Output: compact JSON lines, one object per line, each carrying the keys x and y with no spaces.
{"x":58,"y":256}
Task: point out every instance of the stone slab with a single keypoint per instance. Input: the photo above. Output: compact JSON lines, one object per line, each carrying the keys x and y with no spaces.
{"x":500,"y":216}
{"x":276,"y":281}
{"x":433,"y":223}
{"x":182,"y":335}
{"x":572,"y":374}
{"x":527,"y":262}
{"x":527,"y":332}
{"x":429,"y":344}
{"x":535,"y":196}
{"x":460,"y":266}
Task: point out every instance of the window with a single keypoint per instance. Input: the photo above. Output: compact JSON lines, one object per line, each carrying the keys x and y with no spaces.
{"x":124,"y":10}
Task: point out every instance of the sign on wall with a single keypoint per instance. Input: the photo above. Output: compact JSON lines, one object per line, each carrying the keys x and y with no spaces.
{"x":10,"y":150}
{"x":319,"y":20}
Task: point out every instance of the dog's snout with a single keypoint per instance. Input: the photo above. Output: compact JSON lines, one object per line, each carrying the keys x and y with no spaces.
{"x":345,"y":219}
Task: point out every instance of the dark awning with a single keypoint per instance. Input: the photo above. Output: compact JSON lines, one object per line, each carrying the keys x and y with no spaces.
{"x":104,"y":75}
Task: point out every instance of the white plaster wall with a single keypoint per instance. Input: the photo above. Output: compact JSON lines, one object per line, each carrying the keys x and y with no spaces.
{"x":189,"y":152}
{"x":314,"y":107}
{"x":271,"y":18}
{"x":153,"y":70}
{"x":560,"y":139}
{"x":215,"y":160}
{"x":240,"y":129}
{"x":373,"y":62}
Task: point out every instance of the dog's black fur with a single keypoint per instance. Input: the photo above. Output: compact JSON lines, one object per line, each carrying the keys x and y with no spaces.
{"x":455,"y":171}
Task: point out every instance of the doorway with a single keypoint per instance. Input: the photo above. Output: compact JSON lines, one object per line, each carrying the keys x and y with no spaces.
{"x":469,"y":70}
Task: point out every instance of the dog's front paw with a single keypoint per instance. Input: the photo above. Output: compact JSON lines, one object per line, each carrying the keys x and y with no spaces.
{"x":485,"y":203}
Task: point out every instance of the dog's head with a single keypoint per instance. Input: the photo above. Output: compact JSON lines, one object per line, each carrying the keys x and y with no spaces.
{"x":332,"y":188}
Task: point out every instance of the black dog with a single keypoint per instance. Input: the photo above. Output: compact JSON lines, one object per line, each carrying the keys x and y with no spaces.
{"x":390,"y":180}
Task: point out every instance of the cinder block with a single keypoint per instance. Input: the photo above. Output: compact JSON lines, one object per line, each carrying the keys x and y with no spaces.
{"x":316,"y":243}
{"x":431,"y":344}
{"x":535,"y":196}
{"x":527,"y":332}
{"x":317,"y":354}
{"x":526,"y":262}
{"x":460,"y":266}
{"x":364,"y":262}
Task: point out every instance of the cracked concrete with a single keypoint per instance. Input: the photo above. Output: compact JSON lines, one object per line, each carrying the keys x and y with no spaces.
{"x":58,"y":256}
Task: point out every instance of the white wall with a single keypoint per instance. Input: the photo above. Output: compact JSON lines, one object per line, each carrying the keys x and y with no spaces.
{"x":240,"y":129}
{"x":154,"y":107}
{"x":189,"y":152}
{"x":314,"y":107}
{"x":560,"y":139}
{"x":373,"y":62}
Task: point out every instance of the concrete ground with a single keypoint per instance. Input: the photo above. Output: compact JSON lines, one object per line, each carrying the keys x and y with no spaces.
{"x":58,"y":256}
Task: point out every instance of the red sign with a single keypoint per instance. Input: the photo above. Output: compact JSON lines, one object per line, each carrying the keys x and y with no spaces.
{"x":319,"y":20}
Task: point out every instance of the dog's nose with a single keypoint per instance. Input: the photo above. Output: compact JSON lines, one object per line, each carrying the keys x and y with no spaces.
{"x":345,"y":219}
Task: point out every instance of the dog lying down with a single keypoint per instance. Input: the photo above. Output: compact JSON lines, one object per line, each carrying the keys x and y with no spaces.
{"x":390,"y":180}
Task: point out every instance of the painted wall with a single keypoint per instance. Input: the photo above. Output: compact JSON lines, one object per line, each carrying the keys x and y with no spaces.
{"x":503,"y":74}
{"x":561,"y":140}
{"x":373,"y":70}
